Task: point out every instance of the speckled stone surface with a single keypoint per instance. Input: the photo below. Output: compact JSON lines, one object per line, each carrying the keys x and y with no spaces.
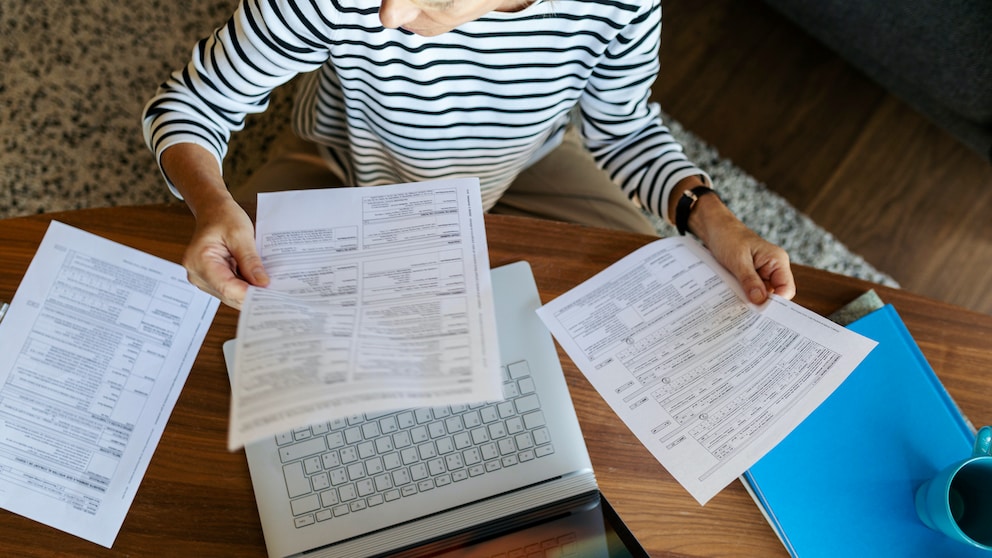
{"x":75,"y":75}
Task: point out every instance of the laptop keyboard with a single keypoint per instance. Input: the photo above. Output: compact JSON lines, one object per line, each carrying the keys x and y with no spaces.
{"x":354,"y":464}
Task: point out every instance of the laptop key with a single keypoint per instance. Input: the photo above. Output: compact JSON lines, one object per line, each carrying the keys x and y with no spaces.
{"x":356,"y":471}
{"x":303,"y":449}
{"x":423,"y":415}
{"x":454,"y":461}
{"x":353,"y":435}
{"x":349,"y":455}
{"x":462,"y":440}
{"x":406,"y":419}
{"x":489,"y":451}
{"x":391,"y":461}
{"x":329,"y":498}
{"x":365,"y":487}
{"x":312,"y":465}
{"x":527,"y":403}
{"x":418,"y":471}
{"x":514,"y":425}
{"x":302,"y":434}
{"x":297,"y":484}
{"x":472,"y":456}
{"x":489,"y":414}
{"x":330,"y":460}
{"x":401,"y":477}
{"x":347,"y":493}
{"x":335,"y":440}
{"x":320,"y":429}
{"x":383,"y":483}
{"x":320,"y":481}
{"x":374,"y":466}
{"x":497,"y":430}
{"x":535,"y":419}
{"x":388,"y":425}
{"x":472,"y":419}
{"x":518,"y":370}
{"x":339,"y":476}
{"x":453,"y":424}
{"x":445,"y":445}
{"x":542,"y":436}
{"x":527,"y":385}
{"x":506,"y":409}
{"x":506,"y":446}
{"x":441,"y":412}
{"x":306,"y":504}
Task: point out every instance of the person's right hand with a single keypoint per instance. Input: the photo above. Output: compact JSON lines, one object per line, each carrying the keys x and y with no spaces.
{"x":221,"y":258}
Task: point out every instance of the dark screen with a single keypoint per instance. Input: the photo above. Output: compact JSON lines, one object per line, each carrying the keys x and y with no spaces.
{"x":580,"y":527}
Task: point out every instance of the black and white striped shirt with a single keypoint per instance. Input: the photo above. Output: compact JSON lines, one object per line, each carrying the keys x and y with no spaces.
{"x":486,"y":99}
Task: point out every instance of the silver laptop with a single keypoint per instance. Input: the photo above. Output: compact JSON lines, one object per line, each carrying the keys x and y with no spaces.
{"x":387,"y":483}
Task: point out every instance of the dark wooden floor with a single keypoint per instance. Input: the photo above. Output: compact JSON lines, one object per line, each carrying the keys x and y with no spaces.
{"x":885,"y":181}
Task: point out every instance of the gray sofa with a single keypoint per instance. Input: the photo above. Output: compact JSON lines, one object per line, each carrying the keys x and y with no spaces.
{"x":934,"y":54}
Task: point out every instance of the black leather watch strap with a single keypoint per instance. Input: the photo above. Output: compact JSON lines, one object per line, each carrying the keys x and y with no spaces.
{"x":686,"y":203}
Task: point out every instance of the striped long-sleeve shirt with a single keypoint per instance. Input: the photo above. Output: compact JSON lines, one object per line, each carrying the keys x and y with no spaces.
{"x":485,"y":100}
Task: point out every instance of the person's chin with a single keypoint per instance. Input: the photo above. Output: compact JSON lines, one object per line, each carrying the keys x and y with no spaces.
{"x":427,"y":31}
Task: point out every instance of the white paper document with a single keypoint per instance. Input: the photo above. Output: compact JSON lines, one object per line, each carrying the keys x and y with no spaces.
{"x":380,"y":298}
{"x":96,"y":347}
{"x":708,"y":383}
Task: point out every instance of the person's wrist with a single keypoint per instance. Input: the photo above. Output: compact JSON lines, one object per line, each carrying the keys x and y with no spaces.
{"x":709,"y":215}
{"x":687,"y":203}
{"x":213,"y":205}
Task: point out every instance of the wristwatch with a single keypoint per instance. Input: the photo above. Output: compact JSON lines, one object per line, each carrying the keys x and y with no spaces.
{"x":686,"y":204}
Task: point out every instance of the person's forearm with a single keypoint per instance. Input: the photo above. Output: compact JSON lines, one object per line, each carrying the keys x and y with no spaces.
{"x":221,"y":258}
{"x":194,"y":172}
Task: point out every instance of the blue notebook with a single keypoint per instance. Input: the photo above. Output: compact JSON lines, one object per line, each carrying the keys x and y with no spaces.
{"x":842,"y":483}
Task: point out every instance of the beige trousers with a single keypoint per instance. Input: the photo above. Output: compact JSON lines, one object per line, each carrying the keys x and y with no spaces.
{"x":566,"y":185}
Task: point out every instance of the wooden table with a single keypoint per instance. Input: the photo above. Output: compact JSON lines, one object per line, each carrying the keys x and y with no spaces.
{"x":196,"y":498}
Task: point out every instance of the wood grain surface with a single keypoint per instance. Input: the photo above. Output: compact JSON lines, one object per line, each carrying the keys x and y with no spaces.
{"x":196,"y":498}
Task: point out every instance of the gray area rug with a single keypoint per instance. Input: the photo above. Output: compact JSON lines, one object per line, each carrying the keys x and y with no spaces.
{"x":77,"y":73}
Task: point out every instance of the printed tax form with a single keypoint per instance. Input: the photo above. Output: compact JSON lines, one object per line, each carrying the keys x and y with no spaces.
{"x":96,"y":347}
{"x":708,"y":383}
{"x":380,"y":298}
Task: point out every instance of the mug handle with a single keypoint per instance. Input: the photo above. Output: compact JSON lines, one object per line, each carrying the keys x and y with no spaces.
{"x":983,"y":443}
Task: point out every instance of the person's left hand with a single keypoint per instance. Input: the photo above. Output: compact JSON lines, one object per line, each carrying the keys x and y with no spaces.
{"x":760,"y":266}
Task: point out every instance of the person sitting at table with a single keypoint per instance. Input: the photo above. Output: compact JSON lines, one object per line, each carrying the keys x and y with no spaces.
{"x":545,"y":101}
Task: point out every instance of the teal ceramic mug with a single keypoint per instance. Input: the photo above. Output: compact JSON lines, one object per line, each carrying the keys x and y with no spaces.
{"x":958,"y":501}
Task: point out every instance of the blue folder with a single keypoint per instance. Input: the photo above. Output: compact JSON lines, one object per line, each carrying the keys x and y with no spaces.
{"x":842,"y":483}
